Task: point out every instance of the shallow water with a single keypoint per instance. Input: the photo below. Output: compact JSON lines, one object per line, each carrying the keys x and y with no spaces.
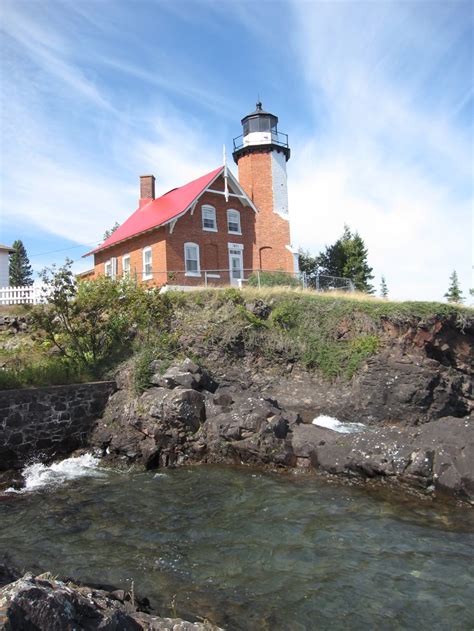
{"x":252,"y":550}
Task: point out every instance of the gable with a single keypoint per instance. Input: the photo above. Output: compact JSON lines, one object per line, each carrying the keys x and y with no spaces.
{"x":160,"y":211}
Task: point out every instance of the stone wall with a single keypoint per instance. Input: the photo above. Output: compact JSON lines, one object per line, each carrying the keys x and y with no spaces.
{"x":48,"y":422}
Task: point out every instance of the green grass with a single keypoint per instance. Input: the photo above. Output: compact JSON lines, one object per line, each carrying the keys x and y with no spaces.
{"x":332,"y":333}
{"x":45,"y":373}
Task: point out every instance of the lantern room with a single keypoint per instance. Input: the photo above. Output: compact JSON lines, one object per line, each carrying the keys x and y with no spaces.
{"x":260,"y":129}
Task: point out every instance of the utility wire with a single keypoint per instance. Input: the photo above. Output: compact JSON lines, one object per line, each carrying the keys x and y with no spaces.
{"x":72,"y":247}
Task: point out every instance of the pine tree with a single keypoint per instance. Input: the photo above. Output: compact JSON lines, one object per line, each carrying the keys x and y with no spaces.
{"x":110,"y":231}
{"x":383,"y":288}
{"x":308,"y":265}
{"x":454,"y":293}
{"x":347,"y":258}
{"x":21,"y":273}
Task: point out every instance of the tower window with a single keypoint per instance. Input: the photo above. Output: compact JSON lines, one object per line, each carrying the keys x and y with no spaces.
{"x":191,"y":259}
{"x":233,"y":221}
{"x":209,"y":218}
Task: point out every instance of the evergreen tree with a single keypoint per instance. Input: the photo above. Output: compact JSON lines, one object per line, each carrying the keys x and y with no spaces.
{"x":21,"y":273}
{"x":454,"y":293}
{"x":383,"y":288}
{"x":110,"y":231}
{"x":309,"y":265}
{"x":347,"y":258}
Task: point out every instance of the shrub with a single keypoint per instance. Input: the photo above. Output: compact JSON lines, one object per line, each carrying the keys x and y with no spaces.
{"x":286,"y":315}
{"x":273,"y":279}
{"x":49,"y":371}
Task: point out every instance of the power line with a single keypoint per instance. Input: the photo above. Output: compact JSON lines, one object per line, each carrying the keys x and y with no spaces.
{"x":72,"y":247}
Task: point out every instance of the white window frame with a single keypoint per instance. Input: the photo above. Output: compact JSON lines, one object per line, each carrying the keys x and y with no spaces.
{"x":145,"y":251}
{"x":236,"y":212}
{"x":126,"y":272}
{"x":108,"y":268}
{"x":208,"y":208}
{"x":192,"y":272}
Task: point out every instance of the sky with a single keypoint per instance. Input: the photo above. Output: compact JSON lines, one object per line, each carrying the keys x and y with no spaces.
{"x":377,"y":99}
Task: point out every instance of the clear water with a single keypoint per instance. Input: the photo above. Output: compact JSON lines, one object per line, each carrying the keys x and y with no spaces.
{"x":252,"y":550}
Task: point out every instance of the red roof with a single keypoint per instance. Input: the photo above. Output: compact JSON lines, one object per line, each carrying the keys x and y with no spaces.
{"x":159,"y":211}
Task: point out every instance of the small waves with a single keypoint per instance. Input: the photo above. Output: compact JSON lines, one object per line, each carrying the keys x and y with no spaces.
{"x":39,"y":476}
{"x":338,"y":426}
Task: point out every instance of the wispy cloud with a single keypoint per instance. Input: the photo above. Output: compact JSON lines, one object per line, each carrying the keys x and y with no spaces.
{"x":388,"y":158}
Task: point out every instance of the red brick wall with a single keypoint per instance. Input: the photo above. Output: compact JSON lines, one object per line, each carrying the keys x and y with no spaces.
{"x":134,"y":247}
{"x":272,"y":232}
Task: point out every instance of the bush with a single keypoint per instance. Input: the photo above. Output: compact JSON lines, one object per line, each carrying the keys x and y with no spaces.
{"x":273,"y":279}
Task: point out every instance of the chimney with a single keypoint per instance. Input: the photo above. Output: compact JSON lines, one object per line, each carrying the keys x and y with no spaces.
{"x":147,"y":188}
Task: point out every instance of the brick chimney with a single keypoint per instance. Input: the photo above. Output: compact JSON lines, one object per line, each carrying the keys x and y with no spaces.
{"x":147,"y":189}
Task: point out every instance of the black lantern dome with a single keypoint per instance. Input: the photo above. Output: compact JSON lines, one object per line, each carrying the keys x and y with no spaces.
{"x":260,"y":133}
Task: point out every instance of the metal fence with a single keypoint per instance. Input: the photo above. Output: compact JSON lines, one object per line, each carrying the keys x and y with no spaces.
{"x":239,"y":278}
{"x":321,"y":282}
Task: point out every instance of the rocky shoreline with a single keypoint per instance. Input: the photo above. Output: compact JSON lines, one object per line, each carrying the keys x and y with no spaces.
{"x":47,"y":603}
{"x":188,"y":416}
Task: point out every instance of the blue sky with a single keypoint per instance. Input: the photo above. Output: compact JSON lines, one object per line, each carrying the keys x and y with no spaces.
{"x":376,"y":98}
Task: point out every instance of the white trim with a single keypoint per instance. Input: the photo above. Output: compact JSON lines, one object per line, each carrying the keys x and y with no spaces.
{"x":124,"y":257}
{"x":235,"y":281}
{"x":145,"y":251}
{"x":212,"y":190}
{"x":108,"y":264}
{"x":198,"y":271}
{"x":235,"y":246}
{"x":172,"y":225}
{"x":209,"y":209}
{"x":239,"y":231}
{"x":242,"y":195}
{"x":213,"y":275}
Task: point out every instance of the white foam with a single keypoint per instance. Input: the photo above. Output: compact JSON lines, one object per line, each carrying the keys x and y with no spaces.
{"x":338,"y":426}
{"x":38,"y":475}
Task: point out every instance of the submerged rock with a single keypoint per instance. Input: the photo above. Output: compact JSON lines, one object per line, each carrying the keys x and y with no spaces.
{"x":43,"y":603}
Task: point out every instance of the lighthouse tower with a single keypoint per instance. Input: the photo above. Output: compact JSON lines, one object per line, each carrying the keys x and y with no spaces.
{"x":261,"y":154}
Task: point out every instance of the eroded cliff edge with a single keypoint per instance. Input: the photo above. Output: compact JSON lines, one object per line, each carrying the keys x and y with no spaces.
{"x":418,"y":428}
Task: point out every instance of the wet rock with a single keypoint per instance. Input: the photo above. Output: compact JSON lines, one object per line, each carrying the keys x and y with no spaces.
{"x":438,"y":454}
{"x":43,"y":603}
{"x":306,"y":438}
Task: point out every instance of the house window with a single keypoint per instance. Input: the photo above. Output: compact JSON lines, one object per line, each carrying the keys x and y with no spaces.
{"x":126,"y":265}
{"x":233,"y":221}
{"x":209,"y":218}
{"x":110,"y":267}
{"x":147,"y":264}
{"x":191,"y":259}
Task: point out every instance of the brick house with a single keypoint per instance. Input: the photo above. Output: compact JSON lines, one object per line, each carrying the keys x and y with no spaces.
{"x":216,"y":229}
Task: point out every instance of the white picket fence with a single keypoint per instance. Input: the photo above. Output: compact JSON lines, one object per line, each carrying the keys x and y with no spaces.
{"x":27,"y":295}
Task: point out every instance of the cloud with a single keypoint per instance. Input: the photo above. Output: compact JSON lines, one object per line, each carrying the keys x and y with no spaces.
{"x":388,"y":160}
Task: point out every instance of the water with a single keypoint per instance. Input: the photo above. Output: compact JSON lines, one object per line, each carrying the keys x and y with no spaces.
{"x":251,"y":550}
{"x":338,"y":426}
{"x":39,"y":476}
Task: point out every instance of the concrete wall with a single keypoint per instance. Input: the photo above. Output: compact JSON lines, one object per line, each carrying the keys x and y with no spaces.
{"x":44,"y":423}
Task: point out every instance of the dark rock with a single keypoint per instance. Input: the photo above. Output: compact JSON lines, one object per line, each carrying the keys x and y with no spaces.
{"x":43,"y":603}
{"x":440,"y":453}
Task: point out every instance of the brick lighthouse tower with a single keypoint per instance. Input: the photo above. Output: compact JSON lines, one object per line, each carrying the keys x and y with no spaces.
{"x":261,"y":154}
